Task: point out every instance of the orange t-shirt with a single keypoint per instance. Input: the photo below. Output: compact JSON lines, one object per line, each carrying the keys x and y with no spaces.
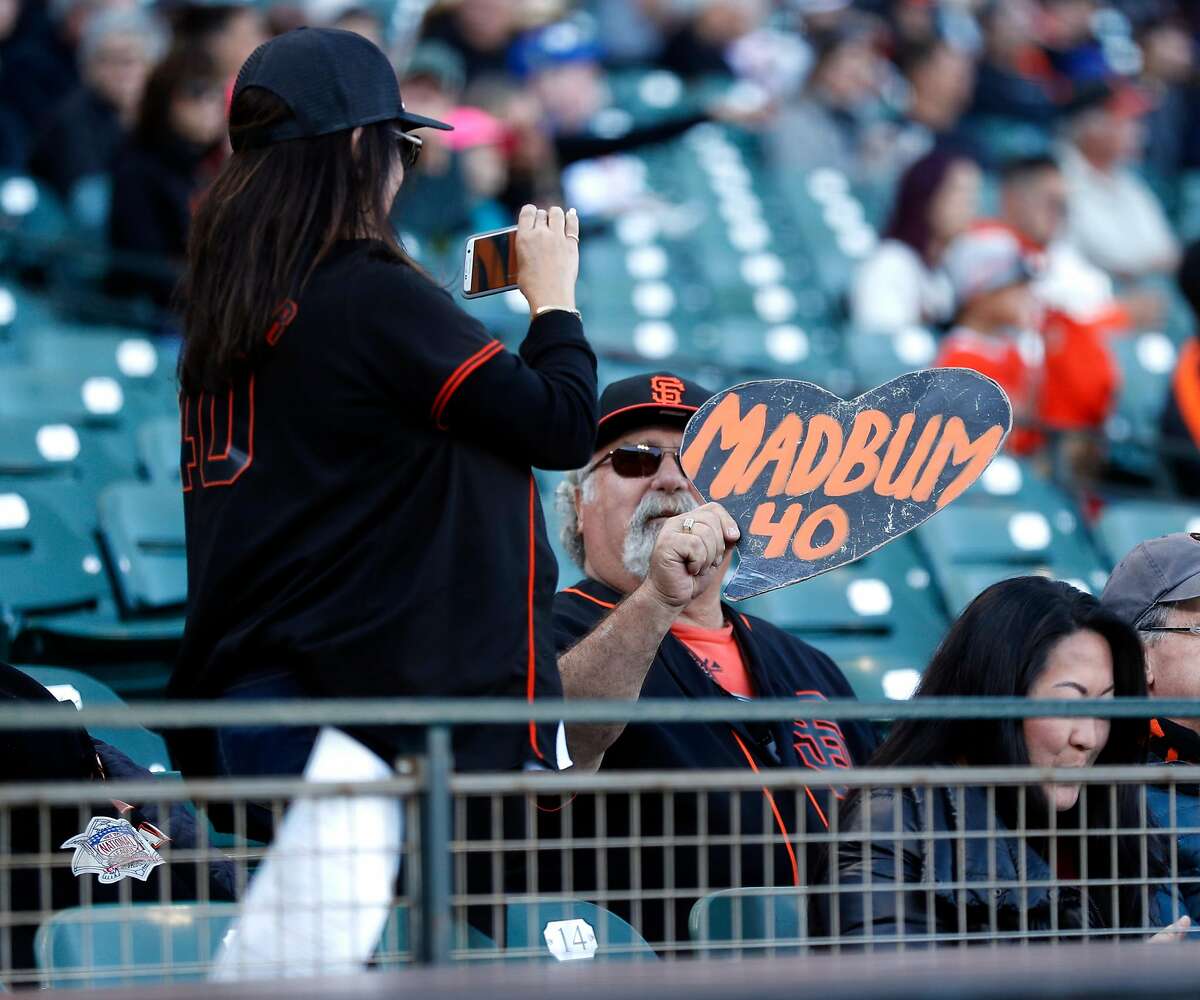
{"x":719,"y":655}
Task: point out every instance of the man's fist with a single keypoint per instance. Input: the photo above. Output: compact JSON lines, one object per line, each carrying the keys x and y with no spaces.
{"x":689,"y":553}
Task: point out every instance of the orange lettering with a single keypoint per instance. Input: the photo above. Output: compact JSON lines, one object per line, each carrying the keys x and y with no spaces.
{"x":781,"y":449}
{"x":871,"y":428}
{"x":830,"y":514}
{"x":741,"y":435}
{"x":809,"y":473}
{"x":901,"y":487}
{"x":956,"y":447}
{"x":779,"y":532}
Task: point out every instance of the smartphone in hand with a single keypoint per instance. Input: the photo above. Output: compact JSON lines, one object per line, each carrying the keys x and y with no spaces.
{"x":491,"y":263}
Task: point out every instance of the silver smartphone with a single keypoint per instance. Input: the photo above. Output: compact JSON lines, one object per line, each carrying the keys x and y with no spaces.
{"x":491,"y":263}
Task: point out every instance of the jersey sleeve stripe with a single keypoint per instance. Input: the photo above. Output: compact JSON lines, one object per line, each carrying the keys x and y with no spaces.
{"x":459,"y":376}
{"x":588,"y":597}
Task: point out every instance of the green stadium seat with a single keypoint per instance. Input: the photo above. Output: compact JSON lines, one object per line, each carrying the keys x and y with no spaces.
{"x":970,"y":546}
{"x":45,"y":566}
{"x":1147,"y":362}
{"x":139,"y":744}
{"x":31,"y":220}
{"x":158,"y":449}
{"x":141,"y":525}
{"x":877,"y":358}
{"x":758,"y":917}
{"x":616,"y":940}
{"x":1123,"y":525}
{"x":395,"y":944}
{"x":118,"y":945}
{"x":868,"y":617}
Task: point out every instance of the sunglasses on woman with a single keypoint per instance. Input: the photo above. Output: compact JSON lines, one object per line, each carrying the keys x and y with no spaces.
{"x":634,"y":461}
{"x":410,"y":148}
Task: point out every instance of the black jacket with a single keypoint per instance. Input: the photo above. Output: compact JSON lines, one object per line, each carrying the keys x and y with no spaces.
{"x":360,"y":508}
{"x":901,"y":849}
{"x":782,"y":667}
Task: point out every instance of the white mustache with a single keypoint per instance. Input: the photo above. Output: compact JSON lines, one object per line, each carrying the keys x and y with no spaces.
{"x":654,"y":505}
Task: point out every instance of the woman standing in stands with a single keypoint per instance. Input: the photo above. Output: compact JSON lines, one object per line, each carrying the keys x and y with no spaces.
{"x":159,"y":172}
{"x":916,"y":847}
{"x":362,"y":520}
{"x":901,"y":283}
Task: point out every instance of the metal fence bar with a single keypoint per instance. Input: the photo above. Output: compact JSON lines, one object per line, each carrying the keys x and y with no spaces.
{"x":482,"y":711}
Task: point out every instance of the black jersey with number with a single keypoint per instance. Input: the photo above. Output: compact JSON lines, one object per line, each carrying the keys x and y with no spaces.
{"x":360,"y":505}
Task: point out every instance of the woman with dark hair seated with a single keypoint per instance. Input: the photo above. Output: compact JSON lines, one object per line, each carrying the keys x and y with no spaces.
{"x":907,"y":858}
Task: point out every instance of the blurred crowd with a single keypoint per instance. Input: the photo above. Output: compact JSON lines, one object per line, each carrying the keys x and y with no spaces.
{"x":1023,"y":156}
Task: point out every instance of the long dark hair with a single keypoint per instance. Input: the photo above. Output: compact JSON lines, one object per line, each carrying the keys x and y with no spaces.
{"x":264,"y":225}
{"x":997,"y":648}
{"x":919,"y":186}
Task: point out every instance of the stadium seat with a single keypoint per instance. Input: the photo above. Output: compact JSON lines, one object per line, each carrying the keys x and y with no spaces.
{"x":142,"y":529}
{"x":1147,"y":362}
{"x":616,"y":940}
{"x":970,"y":546}
{"x":878,"y":357}
{"x":118,"y":945}
{"x":395,"y":944}
{"x":752,"y":916}
{"x":143,"y":747}
{"x":158,"y":449}
{"x":1123,"y":525}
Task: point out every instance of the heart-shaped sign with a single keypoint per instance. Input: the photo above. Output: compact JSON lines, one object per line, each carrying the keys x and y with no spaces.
{"x":815,"y":481}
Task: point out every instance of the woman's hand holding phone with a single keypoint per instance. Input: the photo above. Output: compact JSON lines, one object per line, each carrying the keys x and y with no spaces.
{"x":547,"y":257}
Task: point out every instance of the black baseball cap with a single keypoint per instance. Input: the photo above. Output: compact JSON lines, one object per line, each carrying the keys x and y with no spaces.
{"x":332,"y":80}
{"x":642,"y":400}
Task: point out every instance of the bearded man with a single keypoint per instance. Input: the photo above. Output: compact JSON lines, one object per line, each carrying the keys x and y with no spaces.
{"x":647,"y":620}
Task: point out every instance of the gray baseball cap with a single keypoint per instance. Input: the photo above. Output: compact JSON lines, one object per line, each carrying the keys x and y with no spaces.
{"x":1157,"y":571}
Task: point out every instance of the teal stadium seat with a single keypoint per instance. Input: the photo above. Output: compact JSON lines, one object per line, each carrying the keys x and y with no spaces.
{"x":1146,"y":362}
{"x":396,"y":947}
{"x":616,"y":940}
{"x":141,"y":525}
{"x":971,"y":546}
{"x":876,"y":619}
{"x":742,"y":922}
{"x":158,"y":449}
{"x":118,"y":945}
{"x":1126,"y":523}
{"x":142,"y":746}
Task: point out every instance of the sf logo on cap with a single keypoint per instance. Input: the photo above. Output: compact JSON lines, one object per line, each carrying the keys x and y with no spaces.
{"x":666,"y":389}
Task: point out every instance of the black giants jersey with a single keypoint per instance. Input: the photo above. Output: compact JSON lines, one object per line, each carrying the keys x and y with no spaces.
{"x":360,"y":506}
{"x":782,"y":667}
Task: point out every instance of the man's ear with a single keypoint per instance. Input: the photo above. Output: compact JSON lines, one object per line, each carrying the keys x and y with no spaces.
{"x":355,"y":138}
{"x":1149,"y":674}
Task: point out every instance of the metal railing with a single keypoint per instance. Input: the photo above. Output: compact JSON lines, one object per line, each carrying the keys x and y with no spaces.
{"x":651,"y":865}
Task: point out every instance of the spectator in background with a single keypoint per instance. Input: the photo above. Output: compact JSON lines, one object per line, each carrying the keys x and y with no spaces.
{"x":940,"y":81}
{"x":996,"y":322}
{"x":1168,"y":67}
{"x":433,"y":203}
{"x":228,"y":32}
{"x":161,"y":170}
{"x":116,"y":53}
{"x":1015,"y":79}
{"x":480,"y":31}
{"x":362,"y":21}
{"x":1156,"y":590}
{"x":1181,"y":415}
{"x":901,"y":283}
{"x":647,"y":620}
{"x":825,"y":126}
{"x":479,"y":140}
{"x":1113,"y":217}
{"x":39,"y":68}
{"x":1070,"y":44}
{"x":700,"y":47}
{"x":1059,"y":643}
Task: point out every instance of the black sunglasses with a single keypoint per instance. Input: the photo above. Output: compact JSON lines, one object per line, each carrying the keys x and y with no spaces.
{"x":634,"y":461}
{"x":410,"y":148}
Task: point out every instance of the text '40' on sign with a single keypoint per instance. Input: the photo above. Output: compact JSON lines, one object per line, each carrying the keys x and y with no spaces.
{"x":815,"y":481}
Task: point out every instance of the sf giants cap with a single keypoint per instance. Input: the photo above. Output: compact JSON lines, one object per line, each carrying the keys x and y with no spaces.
{"x":643,"y":400}
{"x":1157,"y":571}
{"x":332,"y":80}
